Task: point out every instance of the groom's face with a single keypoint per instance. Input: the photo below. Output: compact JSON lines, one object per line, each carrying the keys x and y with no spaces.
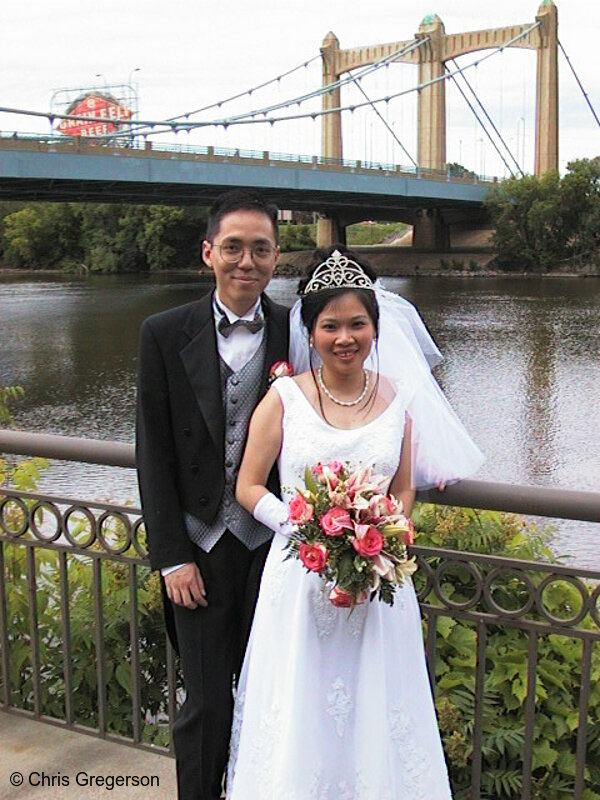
{"x":241,"y":281}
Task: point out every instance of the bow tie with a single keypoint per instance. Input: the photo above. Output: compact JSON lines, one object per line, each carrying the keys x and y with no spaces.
{"x":225,"y":327}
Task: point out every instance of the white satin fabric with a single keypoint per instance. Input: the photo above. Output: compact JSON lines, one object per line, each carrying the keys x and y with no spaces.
{"x":333,"y":704}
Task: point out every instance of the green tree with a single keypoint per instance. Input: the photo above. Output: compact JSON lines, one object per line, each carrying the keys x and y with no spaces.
{"x":156,"y":237}
{"x":296,"y":237}
{"x":527,"y":219}
{"x":542,"y":222}
{"x":580,"y":198}
{"x":101,"y":237}
{"x":40,"y":236}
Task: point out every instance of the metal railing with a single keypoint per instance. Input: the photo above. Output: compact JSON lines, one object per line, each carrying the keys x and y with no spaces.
{"x":134,"y":147}
{"x":83,"y":647}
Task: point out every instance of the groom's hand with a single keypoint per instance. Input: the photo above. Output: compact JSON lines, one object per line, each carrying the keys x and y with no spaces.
{"x":185,"y":587}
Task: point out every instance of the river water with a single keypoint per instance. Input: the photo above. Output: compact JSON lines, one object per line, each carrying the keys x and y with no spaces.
{"x":522,"y":369}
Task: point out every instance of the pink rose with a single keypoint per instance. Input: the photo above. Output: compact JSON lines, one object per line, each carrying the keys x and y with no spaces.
{"x":336,"y":467}
{"x":317,"y":469}
{"x":300,"y":510}
{"x":368,"y":541}
{"x":343,"y":599}
{"x":313,"y":556}
{"x":334,"y":521}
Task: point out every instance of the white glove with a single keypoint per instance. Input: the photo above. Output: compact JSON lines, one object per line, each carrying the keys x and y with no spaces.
{"x":273,"y":513}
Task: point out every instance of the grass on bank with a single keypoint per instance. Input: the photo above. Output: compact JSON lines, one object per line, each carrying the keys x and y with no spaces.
{"x":303,"y":236}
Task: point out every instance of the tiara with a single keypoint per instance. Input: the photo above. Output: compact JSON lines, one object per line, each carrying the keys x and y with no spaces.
{"x":338,"y":272}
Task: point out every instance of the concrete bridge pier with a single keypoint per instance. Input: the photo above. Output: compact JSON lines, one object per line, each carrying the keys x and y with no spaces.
{"x":430,"y":231}
{"x":330,"y":230}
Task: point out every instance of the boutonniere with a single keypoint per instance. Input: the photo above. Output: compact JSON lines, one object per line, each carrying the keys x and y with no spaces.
{"x":280,"y":369}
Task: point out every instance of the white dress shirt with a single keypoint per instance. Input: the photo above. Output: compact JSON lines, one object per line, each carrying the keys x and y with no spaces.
{"x":237,"y":349}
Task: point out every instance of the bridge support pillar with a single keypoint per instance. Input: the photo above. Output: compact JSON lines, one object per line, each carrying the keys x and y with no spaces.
{"x":430,"y":232}
{"x":431,"y":109}
{"x":546,"y":112}
{"x":330,"y":231}
{"x":331,"y":124}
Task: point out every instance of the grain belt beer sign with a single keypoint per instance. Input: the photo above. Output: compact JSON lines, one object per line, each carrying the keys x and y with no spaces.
{"x":105,"y":113}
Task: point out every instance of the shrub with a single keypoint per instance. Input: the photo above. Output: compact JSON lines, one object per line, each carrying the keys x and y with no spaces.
{"x":558,"y":676}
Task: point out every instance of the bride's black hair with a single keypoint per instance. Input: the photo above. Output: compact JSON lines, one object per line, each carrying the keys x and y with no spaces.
{"x":313,"y":303}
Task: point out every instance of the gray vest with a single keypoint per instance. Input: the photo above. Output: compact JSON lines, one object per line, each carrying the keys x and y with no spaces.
{"x":239,"y":391}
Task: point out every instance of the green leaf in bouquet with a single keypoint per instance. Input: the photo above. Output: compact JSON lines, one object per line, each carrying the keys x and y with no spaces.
{"x":310,"y":482}
{"x":359,"y":564}
{"x":345,"y":568}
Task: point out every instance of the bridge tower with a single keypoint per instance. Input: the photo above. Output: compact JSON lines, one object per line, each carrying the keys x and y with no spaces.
{"x":431,"y":103}
{"x":437,"y":48}
{"x":329,"y":229}
{"x":546,"y":95}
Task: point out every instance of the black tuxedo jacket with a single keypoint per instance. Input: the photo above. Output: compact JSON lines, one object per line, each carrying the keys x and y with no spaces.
{"x":180,"y":421}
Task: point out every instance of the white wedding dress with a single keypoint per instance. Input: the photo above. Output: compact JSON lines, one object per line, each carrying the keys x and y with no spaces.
{"x":333,"y":704}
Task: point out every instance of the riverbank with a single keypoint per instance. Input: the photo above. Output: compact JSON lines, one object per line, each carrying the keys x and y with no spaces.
{"x":407,"y":262}
{"x":388,"y":261}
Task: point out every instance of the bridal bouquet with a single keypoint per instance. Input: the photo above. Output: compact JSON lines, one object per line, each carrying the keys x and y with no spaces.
{"x":351,"y":533}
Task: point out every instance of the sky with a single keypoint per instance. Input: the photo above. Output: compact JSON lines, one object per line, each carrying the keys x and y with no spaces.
{"x":181,"y":55}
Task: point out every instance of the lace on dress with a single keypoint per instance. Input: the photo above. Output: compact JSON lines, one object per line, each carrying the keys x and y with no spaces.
{"x":333,"y":704}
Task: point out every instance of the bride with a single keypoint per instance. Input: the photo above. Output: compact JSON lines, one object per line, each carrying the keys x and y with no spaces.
{"x":332,"y":704}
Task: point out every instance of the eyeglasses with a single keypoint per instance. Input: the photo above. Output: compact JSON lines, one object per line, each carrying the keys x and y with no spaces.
{"x":233,"y":251}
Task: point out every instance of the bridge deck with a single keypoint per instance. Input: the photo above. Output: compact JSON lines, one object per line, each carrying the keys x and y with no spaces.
{"x":83,"y":171}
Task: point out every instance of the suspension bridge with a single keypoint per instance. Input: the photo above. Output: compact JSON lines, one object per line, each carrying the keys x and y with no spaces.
{"x":130,"y":164}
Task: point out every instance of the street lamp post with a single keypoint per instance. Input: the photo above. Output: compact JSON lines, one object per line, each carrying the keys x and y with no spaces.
{"x":481,"y":156}
{"x":521,"y":159}
{"x":133,"y":98}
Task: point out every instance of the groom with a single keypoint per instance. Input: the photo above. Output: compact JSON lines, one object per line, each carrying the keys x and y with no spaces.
{"x":203,"y":367}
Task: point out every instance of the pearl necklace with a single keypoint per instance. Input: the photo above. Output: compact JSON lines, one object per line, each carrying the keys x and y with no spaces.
{"x":345,"y":403}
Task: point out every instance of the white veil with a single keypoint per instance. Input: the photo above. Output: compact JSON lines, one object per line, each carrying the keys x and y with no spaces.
{"x":442,"y":450}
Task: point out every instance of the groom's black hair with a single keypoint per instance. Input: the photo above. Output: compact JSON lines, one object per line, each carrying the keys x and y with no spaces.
{"x":240,"y":200}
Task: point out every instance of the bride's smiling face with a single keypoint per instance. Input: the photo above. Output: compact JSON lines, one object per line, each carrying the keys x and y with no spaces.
{"x":343,"y":333}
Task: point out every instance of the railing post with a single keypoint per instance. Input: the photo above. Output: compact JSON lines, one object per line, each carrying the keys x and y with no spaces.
{"x":4,"y":632}
{"x":478,"y":715}
{"x":66,"y":636}
{"x":99,"y":639}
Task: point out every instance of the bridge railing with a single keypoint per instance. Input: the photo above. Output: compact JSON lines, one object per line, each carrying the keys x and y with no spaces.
{"x":50,"y":143}
{"x":82,"y":644}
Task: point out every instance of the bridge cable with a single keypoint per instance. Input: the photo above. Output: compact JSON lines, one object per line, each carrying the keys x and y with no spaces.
{"x":415,"y":44}
{"x":248,"y":92}
{"x":585,"y":94}
{"x":226,"y":121}
{"x":490,"y":120}
{"x":322,"y":90}
{"x":313,"y":115}
{"x":249,"y":116}
{"x":385,"y":122}
{"x":175,"y":126}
